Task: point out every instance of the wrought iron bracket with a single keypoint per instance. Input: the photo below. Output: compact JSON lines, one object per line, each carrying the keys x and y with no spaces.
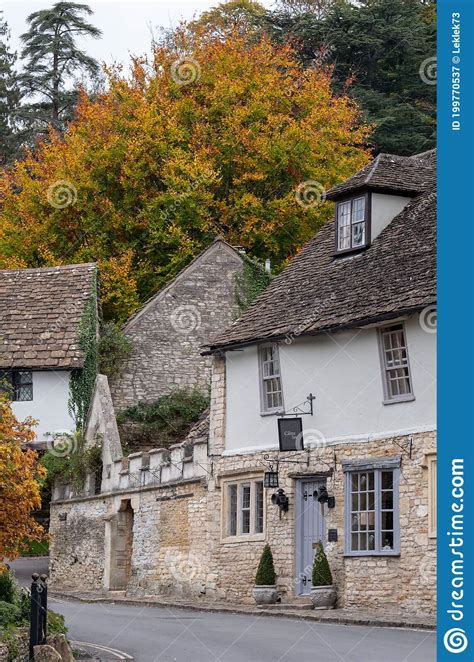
{"x":298,"y":410}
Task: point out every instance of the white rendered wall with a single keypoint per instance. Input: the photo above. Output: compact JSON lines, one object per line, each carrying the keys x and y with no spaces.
{"x":343,"y":371}
{"x":384,"y":209}
{"x":49,"y":404}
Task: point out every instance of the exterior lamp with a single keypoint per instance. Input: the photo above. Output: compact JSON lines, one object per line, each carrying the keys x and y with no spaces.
{"x":323,"y":497}
{"x":280,"y":499}
{"x":270,"y":479}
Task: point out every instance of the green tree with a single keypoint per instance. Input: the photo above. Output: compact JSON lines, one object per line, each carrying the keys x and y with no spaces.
{"x":55,"y":63}
{"x":9,"y":97}
{"x":242,"y":16}
{"x":379,"y":46}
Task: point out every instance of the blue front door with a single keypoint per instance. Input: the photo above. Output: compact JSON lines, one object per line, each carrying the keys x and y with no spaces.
{"x":309,"y":528}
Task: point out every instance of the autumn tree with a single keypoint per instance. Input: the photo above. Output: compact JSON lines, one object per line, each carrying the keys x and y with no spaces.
{"x":20,"y":476}
{"x":212,"y":137}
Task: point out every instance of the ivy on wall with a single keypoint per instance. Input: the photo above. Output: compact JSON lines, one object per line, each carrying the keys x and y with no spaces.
{"x":69,"y":461}
{"x":81,"y":385}
{"x":252,"y":280}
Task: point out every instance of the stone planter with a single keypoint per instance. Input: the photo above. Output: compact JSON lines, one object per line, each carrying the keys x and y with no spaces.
{"x":265,"y":595}
{"x":323,"y":597}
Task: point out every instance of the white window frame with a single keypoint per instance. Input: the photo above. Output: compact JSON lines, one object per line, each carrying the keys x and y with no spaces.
{"x":386,"y":369}
{"x":264,"y":408}
{"x":376,"y":469}
{"x":365,"y":222}
{"x":237,"y":533}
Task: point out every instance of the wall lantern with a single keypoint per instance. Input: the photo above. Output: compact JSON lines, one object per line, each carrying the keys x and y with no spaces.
{"x":280,"y":499}
{"x":270,"y":479}
{"x":323,"y":497}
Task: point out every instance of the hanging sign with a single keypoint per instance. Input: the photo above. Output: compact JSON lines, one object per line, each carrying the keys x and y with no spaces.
{"x":290,"y":434}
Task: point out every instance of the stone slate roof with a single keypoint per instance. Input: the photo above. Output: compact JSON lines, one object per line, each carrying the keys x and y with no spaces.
{"x":390,"y":173}
{"x":40,"y":312}
{"x":318,"y":292}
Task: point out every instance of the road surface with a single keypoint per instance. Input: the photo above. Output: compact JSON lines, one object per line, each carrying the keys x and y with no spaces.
{"x":152,"y":634}
{"x":158,"y":634}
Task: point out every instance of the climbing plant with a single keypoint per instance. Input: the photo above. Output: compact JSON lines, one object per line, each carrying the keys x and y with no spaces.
{"x":82,"y":381}
{"x":250,"y":282}
{"x":113,"y":350}
{"x":69,"y":461}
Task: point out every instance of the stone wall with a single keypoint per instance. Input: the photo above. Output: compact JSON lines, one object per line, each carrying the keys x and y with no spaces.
{"x":179,"y":547}
{"x":77,"y":544}
{"x":168,"y":333}
{"x":406,"y":582}
{"x":171,"y":549}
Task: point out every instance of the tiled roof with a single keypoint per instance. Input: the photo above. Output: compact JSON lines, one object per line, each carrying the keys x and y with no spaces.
{"x":400,"y":174}
{"x":318,"y":292}
{"x":40,"y":312}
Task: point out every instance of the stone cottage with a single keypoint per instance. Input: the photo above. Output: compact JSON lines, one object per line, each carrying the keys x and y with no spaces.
{"x":41,"y":311}
{"x":167,"y":332}
{"x":324,"y":389}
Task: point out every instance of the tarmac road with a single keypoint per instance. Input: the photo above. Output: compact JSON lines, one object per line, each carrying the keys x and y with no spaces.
{"x":157,"y":634}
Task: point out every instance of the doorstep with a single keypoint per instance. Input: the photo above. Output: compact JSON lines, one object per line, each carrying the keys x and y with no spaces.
{"x":285,"y":610}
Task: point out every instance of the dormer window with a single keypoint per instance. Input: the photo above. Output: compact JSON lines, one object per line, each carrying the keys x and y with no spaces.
{"x":352,"y":224}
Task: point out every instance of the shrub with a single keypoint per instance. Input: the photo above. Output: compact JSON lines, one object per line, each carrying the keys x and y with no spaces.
{"x":7,"y":586}
{"x":266,"y":575}
{"x":9,"y":614}
{"x":321,"y":571}
{"x":56,"y":623}
{"x":76,"y":461}
{"x":165,"y":421}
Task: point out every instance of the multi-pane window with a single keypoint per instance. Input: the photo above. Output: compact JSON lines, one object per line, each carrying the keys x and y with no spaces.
{"x":245,"y":506}
{"x":18,"y":384}
{"x":395,"y":366}
{"x":351,"y":224}
{"x":372,"y":505}
{"x":272,"y":394}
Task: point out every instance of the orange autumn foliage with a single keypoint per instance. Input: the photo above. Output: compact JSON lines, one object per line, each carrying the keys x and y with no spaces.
{"x":20,"y":489}
{"x":214,"y":136}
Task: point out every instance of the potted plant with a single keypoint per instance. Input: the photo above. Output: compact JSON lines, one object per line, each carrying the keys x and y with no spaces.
{"x":264,"y":591}
{"x":323,"y":591}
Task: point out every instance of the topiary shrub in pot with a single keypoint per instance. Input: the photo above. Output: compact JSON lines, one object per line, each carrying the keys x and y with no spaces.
{"x":264,"y":591}
{"x":323,"y":591}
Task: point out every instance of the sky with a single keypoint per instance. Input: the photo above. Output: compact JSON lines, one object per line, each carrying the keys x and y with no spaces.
{"x":127,"y":26}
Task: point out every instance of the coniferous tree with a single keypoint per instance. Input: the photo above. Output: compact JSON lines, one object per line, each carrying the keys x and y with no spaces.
{"x":54,"y":63}
{"x":9,"y":98}
{"x":383,"y":53}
